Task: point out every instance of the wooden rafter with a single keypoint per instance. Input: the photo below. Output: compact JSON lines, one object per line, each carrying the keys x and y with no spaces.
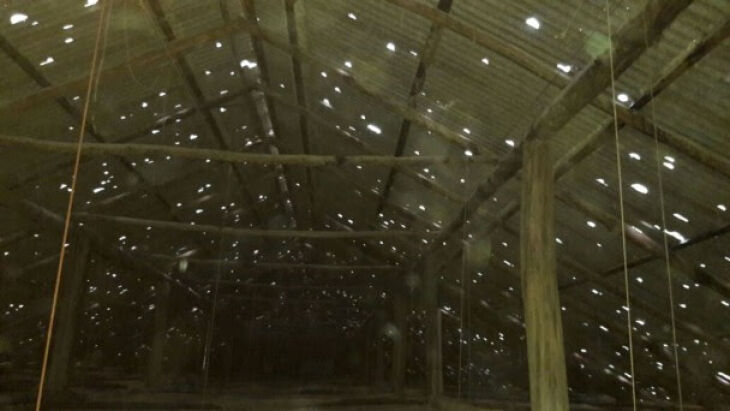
{"x":234,"y":157}
{"x":251,"y":232}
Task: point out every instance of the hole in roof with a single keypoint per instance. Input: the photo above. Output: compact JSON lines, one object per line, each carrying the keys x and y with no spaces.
{"x":680,"y":217}
{"x":374,"y":128}
{"x":533,"y":22}
{"x":640,"y":188}
{"x":17,"y":18}
{"x":247,"y":64}
{"x":565,"y":68}
{"x":47,"y":61}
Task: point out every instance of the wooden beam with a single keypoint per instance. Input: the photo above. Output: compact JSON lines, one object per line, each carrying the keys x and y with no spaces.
{"x":234,"y":157}
{"x":157,"y":351}
{"x":631,"y":117}
{"x":546,"y":359}
{"x":68,"y":312}
{"x":141,"y":62}
{"x":400,"y":340}
{"x":434,"y":358}
{"x":267,"y":113}
{"x":276,"y":265}
{"x":299,"y":91}
{"x":425,"y":58}
{"x":48,"y":219}
{"x":628,"y":43}
{"x":638,"y":238}
{"x":251,"y":232}
{"x":198,"y":97}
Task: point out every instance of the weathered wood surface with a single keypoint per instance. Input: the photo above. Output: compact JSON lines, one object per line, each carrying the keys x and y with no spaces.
{"x":68,"y":311}
{"x":252,"y":232}
{"x":236,"y":157}
{"x":546,"y":357}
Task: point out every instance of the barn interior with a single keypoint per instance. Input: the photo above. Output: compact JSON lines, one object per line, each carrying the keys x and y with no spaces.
{"x":364,"y":204}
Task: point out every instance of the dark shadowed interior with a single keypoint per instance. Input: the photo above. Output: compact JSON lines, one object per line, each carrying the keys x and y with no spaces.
{"x":364,"y":204}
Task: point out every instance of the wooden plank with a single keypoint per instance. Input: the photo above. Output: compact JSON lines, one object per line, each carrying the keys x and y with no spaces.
{"x":400,"y":320}
{"x":434,"y":359}
{"x":252,"y":232}
{"x":235,"y":157}
{"x":157,"y":351}
{"x":69,"y":303}
{"x":546,"y":357}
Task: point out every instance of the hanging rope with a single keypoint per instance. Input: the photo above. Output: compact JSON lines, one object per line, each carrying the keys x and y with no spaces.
{"x":665,"y":238}
{"x":621,"y":206}
{"x":93,"y":83}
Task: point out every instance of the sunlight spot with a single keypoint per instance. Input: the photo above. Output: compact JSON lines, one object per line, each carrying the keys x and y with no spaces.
{"x":565,"y":68}
{"x":640,"y":188}
{"x":374,"y":128}
{"x":248,"y":64}
{"x":680,"y":217}
{"x":16,"y":18}
{"x":47,"y":61}
{"x":533,"y":22}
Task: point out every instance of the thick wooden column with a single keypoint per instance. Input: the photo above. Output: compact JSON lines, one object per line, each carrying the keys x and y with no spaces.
{"x":400,"y":320}
{"x":67,"y":313}
{"x":154,"y":362}
{"x":434,"y":366}
{"x":546,"y":359}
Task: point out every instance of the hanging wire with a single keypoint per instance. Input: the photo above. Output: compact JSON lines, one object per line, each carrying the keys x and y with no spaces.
{"x":665,"y":238}
{"x":621,"y":205}
{"x":92,"y":84}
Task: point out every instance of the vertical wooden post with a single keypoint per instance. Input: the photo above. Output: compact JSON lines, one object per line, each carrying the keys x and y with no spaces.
{"x":546,"y":358}
{"x":400,"y":319}
{"x":379,"y":348}
{"x":154,"y":363}
{"x":434,"y":366}
{"x":72,"y":287}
